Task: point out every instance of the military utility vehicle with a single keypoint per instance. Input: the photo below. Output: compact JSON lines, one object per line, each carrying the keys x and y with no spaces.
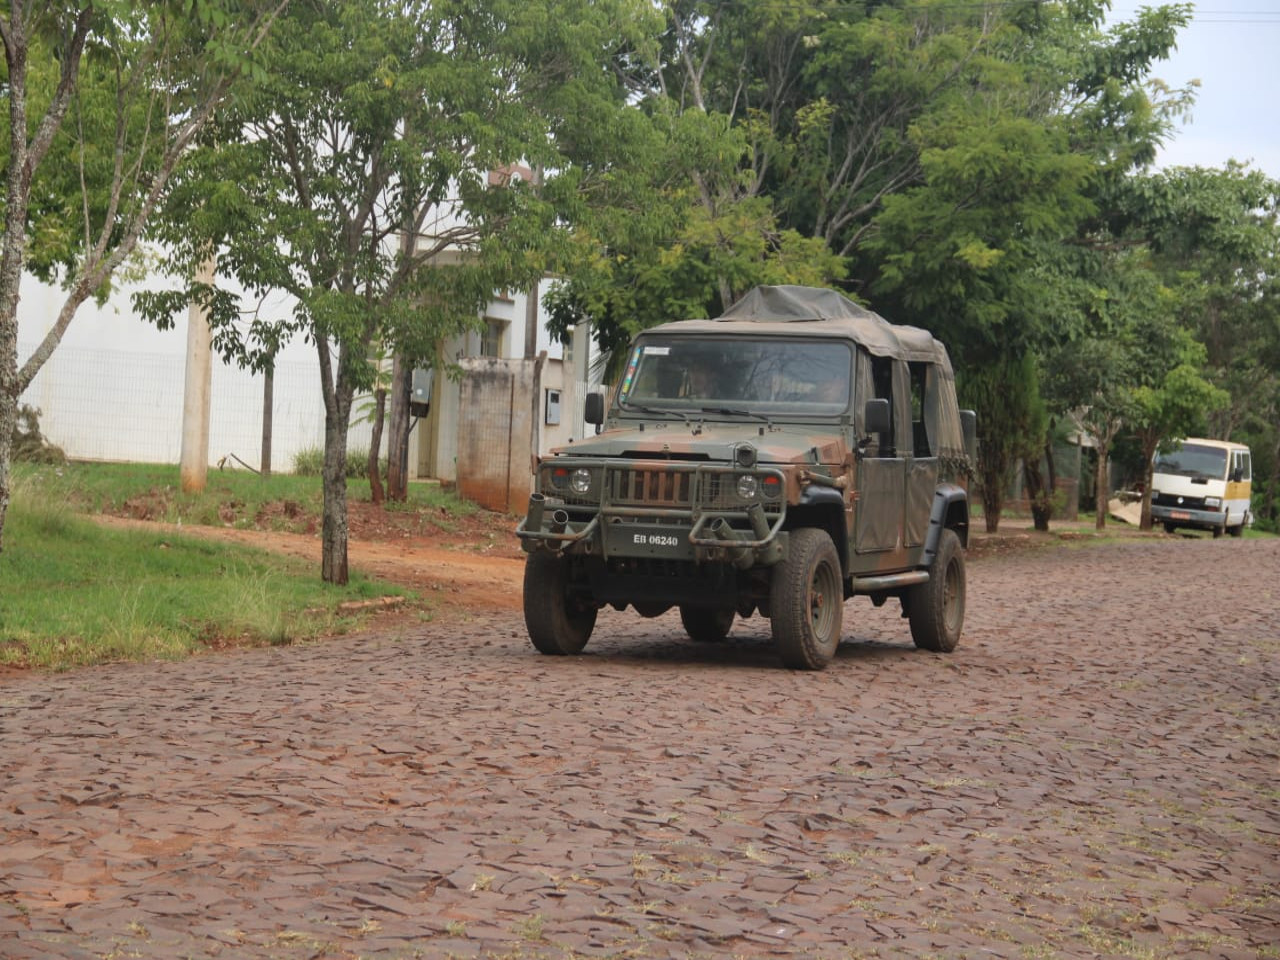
{"x":778,"y":459}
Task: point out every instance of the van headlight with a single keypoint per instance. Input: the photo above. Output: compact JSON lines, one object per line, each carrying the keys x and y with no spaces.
{"x":1212,"y":502}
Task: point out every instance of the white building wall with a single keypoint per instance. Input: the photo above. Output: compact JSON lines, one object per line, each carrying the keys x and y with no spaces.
{"x":113,"y":389}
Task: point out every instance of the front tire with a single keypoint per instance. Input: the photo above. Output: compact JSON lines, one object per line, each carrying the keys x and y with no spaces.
{"x":558,"y":624}
{"x":936,"y":609}
{"x":806,"y":601}
{"x":706,"y":624}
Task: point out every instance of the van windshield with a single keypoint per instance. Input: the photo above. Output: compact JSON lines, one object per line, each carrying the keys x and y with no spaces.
{"x":714,"y":374}
{"x":1194,"y":460}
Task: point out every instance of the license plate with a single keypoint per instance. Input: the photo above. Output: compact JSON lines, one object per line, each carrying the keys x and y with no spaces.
{"x":648,"y":540}
{"x":1179,"y":515}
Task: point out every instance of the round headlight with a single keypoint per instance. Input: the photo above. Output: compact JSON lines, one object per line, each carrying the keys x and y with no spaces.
{"x":581,"y":480}
{"x":748,"y":486}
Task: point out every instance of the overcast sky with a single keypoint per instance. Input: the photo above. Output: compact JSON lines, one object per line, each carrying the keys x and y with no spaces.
{"x":1233,"y":48}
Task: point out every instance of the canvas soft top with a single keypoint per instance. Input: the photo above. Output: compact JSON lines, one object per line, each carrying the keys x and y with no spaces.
{"x":830,"y":314}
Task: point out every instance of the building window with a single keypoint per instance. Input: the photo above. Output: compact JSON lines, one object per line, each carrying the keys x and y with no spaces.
{"x":491,"y":341}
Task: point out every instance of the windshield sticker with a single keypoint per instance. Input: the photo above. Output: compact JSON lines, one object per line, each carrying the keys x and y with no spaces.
{"x":659,"y":351}
{"x":630,"y":374}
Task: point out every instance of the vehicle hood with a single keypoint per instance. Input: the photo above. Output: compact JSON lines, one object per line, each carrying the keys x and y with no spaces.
{"x":780,"y":444}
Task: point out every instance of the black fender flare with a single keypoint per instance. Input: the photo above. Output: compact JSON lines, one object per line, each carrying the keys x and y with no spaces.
{"x":950,"y":511}
{"x":829,"y":504}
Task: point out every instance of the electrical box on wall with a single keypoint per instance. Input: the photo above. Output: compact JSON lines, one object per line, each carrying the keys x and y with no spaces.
{"x":420,"y":392}
{"x":553,"y":408}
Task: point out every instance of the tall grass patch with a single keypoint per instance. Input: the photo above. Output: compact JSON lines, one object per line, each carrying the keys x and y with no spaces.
{"x":239,"y":498}
{"x":74,"y":593}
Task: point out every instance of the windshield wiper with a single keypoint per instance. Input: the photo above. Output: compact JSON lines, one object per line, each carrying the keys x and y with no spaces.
{"x":736,"y":412}
{"x":641,"y":408}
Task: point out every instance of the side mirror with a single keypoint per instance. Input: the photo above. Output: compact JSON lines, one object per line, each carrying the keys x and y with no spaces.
{"x":594,"y":410}
{"x":876,"y":416}
{"x":1237,"y":474}
{"x":969,"y":429}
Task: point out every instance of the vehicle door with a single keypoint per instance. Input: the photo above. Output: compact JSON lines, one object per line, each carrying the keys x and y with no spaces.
{"x":1239,"y":490}
{"x":882,"y":473}
{"x":923,"y":465}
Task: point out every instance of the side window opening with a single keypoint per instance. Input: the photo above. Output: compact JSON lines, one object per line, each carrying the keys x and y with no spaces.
{"x":882,"y":381}
{"x":922,"y":445}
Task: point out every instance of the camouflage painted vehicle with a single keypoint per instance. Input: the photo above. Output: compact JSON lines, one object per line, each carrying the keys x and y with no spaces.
{"x":778,"y":459}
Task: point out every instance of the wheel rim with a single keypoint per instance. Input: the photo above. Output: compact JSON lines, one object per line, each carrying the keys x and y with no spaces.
{"x":822,"y":603}
{"x":951,"y":600}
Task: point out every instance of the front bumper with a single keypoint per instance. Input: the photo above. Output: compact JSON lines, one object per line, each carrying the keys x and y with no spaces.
{"x":1185,"y":517}
{"x":666,"y":511}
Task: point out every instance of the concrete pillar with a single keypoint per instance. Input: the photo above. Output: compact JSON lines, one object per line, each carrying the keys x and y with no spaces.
{"x":194,"y":467}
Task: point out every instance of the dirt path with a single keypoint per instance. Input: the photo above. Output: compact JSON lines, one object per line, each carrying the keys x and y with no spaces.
{"x":462,"y":572}
{"x":1092,"y":774}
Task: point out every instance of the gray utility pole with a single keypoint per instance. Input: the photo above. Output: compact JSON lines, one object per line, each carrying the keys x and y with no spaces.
{"x":194,"y":468}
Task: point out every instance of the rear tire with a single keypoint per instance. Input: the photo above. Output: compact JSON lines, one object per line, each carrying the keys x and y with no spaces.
{"x":558,"y":624}
{"x":806,"y":601}
{"x":1170,"y":527}
{"x":936,"y":609}
{"x":706,"y":624}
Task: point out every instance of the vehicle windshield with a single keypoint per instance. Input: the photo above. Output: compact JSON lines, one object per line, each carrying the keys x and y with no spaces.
{"x":716,"y":375}
{"x":1193,"y":460}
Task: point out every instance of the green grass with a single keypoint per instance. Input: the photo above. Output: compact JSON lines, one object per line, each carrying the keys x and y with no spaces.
{"x":239,"y":498}
{"x":73,"y":592}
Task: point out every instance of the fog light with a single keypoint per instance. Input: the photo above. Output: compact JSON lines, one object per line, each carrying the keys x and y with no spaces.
{"x":581,"y":480}
{"x":748,"y":486}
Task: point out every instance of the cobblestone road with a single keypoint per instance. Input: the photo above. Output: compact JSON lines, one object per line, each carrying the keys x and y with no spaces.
{"x":1094,"y":772}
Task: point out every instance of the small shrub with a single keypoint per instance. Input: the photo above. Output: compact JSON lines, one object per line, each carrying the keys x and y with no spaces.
{"x":28,"y":444}
{"x":309,"y":462}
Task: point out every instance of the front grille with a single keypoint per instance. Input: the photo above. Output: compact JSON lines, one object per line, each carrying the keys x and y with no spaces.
{"x":664,"y":488}
{"x":650,"y":488}
{"x":1172,"y":500}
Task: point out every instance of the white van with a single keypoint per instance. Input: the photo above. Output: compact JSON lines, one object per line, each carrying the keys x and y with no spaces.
{"x":1203,"y":484}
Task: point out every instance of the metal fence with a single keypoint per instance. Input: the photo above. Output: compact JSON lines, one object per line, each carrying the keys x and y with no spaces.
{"x":127,"y":406}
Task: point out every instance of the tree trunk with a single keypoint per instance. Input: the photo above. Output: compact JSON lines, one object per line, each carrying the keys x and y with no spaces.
{"x":1052,"y":470}
{"x":268,"y":414}
{"x":1040,"y":500}
{"x":398,"y":430}
{"x":334,"y":528}
{"x":8,"y":412}
{"x":1101,"y":493}
{"x":375,"y":445}
{"x":992,"y":498}
{"x":1149,"y":455}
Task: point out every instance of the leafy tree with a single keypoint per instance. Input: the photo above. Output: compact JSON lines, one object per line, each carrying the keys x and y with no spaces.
{"x":1091,"y":379}
{"x":368,"y":178}
{"x":105,"y":98}
{"x":1012,"y":429}
{"x":1213,"y":240}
